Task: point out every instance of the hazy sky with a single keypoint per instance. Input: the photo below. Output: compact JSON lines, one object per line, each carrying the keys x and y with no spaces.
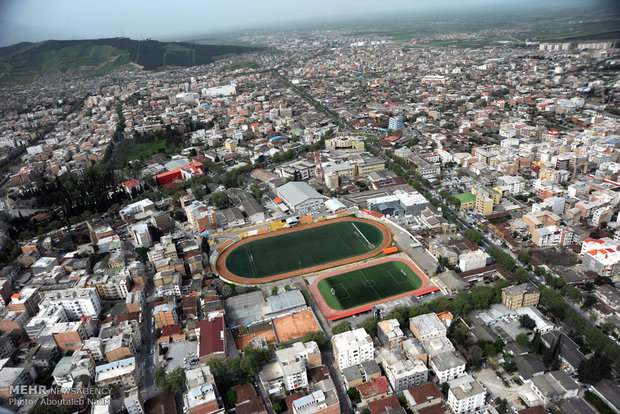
{"x":35,"y":20}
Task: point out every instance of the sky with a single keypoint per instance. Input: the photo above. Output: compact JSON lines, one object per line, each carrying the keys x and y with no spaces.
{"x":36,"y":20}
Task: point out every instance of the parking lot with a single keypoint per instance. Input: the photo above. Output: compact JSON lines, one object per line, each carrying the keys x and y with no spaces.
{"x":496,"y":388}
{"x":180,"y":354}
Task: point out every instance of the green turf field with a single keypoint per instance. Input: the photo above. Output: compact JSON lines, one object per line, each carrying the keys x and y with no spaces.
{"x":303,"y":248}
{"x":370,"y":284}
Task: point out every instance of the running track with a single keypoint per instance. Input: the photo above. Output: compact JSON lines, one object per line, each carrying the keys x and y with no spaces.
{"x":222,"y":270}
{"x":333,"y":314}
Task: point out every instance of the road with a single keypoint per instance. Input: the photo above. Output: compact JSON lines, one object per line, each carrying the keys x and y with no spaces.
{"x":146,"y":361}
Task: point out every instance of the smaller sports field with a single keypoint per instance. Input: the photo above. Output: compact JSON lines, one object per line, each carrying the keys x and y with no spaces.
{"x":368,"y":284}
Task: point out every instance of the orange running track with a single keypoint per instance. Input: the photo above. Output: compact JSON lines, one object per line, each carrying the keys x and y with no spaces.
{"x":222,"y":270}
{"x":334,"y":314}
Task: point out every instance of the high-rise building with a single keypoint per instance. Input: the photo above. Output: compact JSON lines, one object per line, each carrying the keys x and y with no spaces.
{"x":352,"y":348}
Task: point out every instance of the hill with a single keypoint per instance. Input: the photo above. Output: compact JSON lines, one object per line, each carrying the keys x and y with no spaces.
{"x":26,"y":62}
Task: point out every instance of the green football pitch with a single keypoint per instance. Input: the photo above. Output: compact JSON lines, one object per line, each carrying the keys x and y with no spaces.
{"x":370,"y":284}
{"x":304,"y":248}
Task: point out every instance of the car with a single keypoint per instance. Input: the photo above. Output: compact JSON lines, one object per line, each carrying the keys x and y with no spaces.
{"x":474,"y":376}
{"x":151,"y":352}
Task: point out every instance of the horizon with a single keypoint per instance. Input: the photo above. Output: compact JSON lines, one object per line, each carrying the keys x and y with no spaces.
{"x":37,"y":20}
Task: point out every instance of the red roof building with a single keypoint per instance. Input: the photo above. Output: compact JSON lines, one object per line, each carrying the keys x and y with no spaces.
{"x":185,"y":172}
{"x":373,"y":390}
{"x":211,"y":335}
{"x":381,"y":406}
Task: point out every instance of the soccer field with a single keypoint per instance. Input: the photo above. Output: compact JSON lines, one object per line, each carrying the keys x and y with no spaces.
{"x":306,"y":247}
{"x":370,"y":284}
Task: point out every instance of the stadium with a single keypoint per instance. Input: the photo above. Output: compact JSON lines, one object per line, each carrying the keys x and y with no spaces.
{"x":355,"y":289}
{"x":300,"y":250}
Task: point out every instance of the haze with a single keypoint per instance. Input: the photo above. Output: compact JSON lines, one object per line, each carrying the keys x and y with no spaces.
{"x":36,"y":20}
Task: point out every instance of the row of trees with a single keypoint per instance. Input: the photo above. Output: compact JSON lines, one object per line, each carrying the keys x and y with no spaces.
{"x":248,"y":364}
{"x":552,"y":303}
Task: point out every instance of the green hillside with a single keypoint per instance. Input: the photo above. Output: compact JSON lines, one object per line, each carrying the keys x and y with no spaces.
{"x":26,"y":62}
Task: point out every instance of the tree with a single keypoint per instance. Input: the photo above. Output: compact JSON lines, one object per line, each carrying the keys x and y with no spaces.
{"x":523,"y":257}
{"x":459,"y":333}
{"x":341,"y":327}
{"x":370,"y":325}
{"x":476,"y":356}
{"x":537,"y":345}
{"x":256,"y":192}
{"x":527,"y":322}
{"x":171,"y":381}
{"x":179,"y":215}
{"x":588,"y":302}
{"x":522,"y":275}
{"x":354,"y":395}
{"x":277,"y":406}
{"x":502,"y":406}
{"x":473,"y":235}
{"x":522,"y":340}
{"x":594,"y":369}
{"x":205,"y":246}
{"x":274,"y":291}
{"x":249,"y":365}
{"x":230,"y":399}
{"x":317,"y":336}
{"x":220,"y":199}
{"x":510,"y":366}
{"x":445,"y":387}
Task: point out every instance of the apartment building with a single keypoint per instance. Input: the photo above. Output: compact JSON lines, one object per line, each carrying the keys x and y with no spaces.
{"x":517,"y":296}
{"x":165,"y":314}
{"x":352,"y":348}
{"x":123,"y":372}
{"x":427,"y":326}
{"x":465,"y":394}
{"x":389,"y":333}
{"x":473,"y":260}
{"x":448,"y":365}
{"x":27,"y":300}
{"x":76,"y":302}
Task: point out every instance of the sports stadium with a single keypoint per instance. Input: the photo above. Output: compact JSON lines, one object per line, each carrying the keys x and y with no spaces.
{"x":355,"y":289}
{"x":301,"y":250}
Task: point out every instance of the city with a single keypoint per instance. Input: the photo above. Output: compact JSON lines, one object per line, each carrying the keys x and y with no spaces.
{"x":423,"y":218}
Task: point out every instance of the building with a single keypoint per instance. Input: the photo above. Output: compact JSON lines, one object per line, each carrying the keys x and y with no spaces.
{"x":76,"y":302}
{"x":138,"y":207}
{"x":465,"y":394}
{"x":516,"y":296}
{"x":423,"y":396}
{"x":427,"y":326}
{"x":295,"y":361}
{"x":165,"y":315}
{"x":405,"y":374}
{"x":211,"y":336}
{"x":182,"y":173}
{"x":133,"y":402}
{"x":373,"y":390}
{"x":473,"y":260}
{"x":319,"y":402}
{"x":345,"y":143}
{"x":447,"y":365}
{"x":300,"y":197}
{"x":70,"y":370}
{"x":399,"y":203}
{"x":123,"y":372}
{"x":389,"y":333}
{"x":395,"y":123}
{"x":352,"y":348}
{"x":141,"y":235}
{"x":200,"y":216}
{"x":201,"y":396}
{"x":27,"y":300}
{"x":514,"y":184}
{"x":554,"y":386}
